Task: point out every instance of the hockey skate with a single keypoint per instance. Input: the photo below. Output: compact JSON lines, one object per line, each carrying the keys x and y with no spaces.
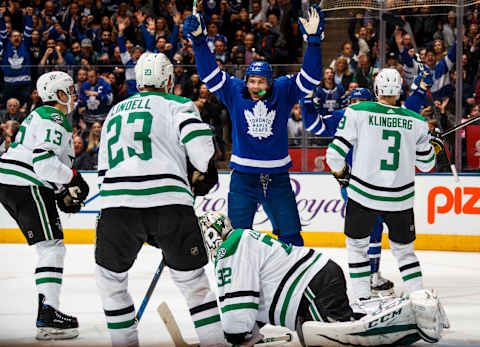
{"x":380,"y":286}
{"x":53,"y":324}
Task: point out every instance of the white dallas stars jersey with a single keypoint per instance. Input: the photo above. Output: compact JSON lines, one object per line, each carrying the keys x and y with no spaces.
{"x":388,"y":142}
{"x":144,"y":144}
{"x":42,"y":153}
{"x":262,"y":279}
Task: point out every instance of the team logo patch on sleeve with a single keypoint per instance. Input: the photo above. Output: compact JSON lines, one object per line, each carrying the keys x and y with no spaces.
{"x":221,"y":253}
{"x":57,"y":118}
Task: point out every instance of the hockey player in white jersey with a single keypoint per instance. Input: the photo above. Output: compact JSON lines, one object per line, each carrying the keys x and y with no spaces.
{"x":388,"y":143}
{"x":261,"y":280}
{"x":35,"y":167}
{"x":145,"y":196}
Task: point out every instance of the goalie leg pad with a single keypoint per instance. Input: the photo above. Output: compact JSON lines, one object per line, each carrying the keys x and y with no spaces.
{"x":394,"y":323}
{"x":429,"y":314}
{"x":118,"y":306}
{"x":49,"y":271}
{"x":202,"y":303}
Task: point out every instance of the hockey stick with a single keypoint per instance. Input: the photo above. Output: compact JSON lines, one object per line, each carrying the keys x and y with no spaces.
{"x":177,"y":337}
{"x":194,"y":8}
{"x":460,"y":126}
{"x":447,"y":153}
{"x":150,"y":290}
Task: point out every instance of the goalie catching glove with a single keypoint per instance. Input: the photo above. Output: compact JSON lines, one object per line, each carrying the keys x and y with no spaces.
{"x":201,"y":183}
{"x":70,"y":199}
{"x":343,"y":177}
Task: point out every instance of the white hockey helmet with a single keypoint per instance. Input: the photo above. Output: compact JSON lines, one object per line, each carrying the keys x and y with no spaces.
{"x":50,"y":83}
{"x":153,"y":70}
{"x":388,"y":83}
{"x":215,"y":229}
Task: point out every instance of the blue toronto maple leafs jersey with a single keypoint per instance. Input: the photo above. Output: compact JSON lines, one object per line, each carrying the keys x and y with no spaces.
{"x":259,"y":128}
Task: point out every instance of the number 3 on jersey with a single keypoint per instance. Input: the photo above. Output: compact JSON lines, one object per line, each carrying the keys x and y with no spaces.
{"x":115,"y":125}
{"x":393,"y":149}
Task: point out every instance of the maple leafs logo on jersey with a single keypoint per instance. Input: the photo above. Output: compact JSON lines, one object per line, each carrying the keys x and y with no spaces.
{"x":260,"y":121}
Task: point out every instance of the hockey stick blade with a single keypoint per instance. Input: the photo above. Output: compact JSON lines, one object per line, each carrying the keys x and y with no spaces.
{"x":285,"y":338}
{"x":172,"y":326}
{"x":460,"y":126}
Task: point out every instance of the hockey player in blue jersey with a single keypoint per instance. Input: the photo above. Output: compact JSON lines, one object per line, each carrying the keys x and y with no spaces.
{"x":327,"y":126}
{"x":259,"y":108}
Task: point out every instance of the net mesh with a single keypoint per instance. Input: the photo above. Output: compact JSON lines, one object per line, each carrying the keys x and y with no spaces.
{"x":329,"y":5}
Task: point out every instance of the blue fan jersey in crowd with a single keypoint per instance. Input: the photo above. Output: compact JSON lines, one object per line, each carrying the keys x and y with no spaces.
{"x":329,"y":100}
{"x":97,"y":107}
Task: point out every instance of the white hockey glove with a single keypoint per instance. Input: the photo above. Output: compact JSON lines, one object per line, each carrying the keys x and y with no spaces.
{"x":312,"y":26}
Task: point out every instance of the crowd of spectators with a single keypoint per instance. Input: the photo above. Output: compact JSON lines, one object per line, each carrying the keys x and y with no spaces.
{"x":99,"y":42}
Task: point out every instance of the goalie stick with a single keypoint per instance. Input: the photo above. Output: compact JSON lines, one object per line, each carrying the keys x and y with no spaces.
{"x":177,"y":337}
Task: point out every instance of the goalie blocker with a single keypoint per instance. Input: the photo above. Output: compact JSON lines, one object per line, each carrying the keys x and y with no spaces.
{"x":402,"y":321}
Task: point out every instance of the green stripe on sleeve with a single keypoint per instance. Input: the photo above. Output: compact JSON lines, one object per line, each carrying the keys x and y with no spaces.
{"x":22,"y":175}
{"x":338,"y":149}
{"x":241,"y":306}
{"x":43,"y":156}
{"x":195,"y":133}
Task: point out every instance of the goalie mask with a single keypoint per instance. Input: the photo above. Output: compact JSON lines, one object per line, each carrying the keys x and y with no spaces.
{"x":388,"y":83}
{"x":215,"y":229}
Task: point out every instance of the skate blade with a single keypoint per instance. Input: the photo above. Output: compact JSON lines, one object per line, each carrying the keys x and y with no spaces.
{"x":56,"y":334}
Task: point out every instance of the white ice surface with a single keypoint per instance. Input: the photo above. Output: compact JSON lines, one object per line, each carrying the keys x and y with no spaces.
{"x":455,"y":276}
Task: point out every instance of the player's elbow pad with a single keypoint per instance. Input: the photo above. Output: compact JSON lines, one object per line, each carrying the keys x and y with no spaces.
{"x":200,"y":152}
{"x":55,"y":172}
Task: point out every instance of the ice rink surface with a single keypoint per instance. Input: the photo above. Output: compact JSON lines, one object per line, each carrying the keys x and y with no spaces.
{"x":455,"y":276}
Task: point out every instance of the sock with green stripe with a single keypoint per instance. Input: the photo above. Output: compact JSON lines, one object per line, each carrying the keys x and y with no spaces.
{"x":202,"y":303}
{"x":117,"y":306}
{"x":359,"y":266}
{"x":408,"y":265}
{"x":49,"y":270}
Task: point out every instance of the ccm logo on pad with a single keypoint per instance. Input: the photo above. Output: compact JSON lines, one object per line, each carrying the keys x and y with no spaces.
{"x":461,"y":202}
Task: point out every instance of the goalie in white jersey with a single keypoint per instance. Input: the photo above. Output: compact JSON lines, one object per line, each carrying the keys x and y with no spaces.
{"x":145,"y":196}
{"x":388,"y":143}
{"x":263,"y":281}
{"x":34,"y":172}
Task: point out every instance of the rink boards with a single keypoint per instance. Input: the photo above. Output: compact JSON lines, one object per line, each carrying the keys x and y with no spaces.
{"x":446,"y":213}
